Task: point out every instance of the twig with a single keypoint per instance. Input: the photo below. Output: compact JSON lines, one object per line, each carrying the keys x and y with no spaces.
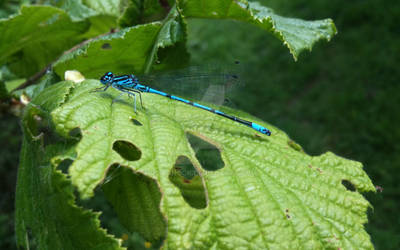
{"x":33,"y":78}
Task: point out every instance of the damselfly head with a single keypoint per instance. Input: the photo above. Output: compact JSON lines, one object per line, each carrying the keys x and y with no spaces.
{"x":107,"y":78}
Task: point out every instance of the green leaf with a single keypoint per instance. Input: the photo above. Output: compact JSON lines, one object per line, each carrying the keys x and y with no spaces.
{"x":268,"y":194}
{"x":35,"y":37}
{"x":123,"y":51}
{"x":102,"y":15}
{"x":137,"y":49}
{"x":8,"y":8}
{"x":107,"y":7}
{"x":100,"y":24}
{"x":130,"y":50}
{"x":79,"y":10}
{"x":8,"y":82}
{"x":145,"y":11}
{"x":46,"y":214}
{"x":11,"y":85}
{"x":46,"y":209}
{"x":33,"y":90}
{"x":296,"y":34}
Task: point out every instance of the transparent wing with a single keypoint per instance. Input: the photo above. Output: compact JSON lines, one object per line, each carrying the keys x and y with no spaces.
{"x":209,"y":83}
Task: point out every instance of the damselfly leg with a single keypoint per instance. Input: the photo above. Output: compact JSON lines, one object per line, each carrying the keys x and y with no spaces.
{"x":132,"y":93}
{"x":101,"y":89}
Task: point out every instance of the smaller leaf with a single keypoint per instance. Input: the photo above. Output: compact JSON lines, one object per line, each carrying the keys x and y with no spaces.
{"x":125,"y":51}
{"x":35,"y":37}
{"x":170,"y":44}
{"x":102,"y":15}
{"x":77,"y":10}
{"x":140,"y":12}
{"x":296,"y":34}
{"x":131,"y":50}
{"x":33,"y":90}
{"x":11,"y":85}
{"x":107,"y":7}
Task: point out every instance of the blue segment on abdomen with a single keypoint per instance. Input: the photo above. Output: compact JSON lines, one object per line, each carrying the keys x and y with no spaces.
{"x":179,"y":99}
{"x":157,"y":92}
{"x":260,"y":128}
{"x":202,"y":107}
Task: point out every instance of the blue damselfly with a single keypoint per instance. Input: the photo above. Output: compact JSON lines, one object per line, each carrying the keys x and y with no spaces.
{"x":131,"y":85}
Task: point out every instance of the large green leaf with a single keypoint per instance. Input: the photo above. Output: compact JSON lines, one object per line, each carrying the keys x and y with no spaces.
{"x":296,"y":34}
{"x":268,"y":194}
{"x":39,"y":34}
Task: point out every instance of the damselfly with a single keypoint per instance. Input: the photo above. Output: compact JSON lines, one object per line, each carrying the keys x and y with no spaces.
{"x":130,"y":84}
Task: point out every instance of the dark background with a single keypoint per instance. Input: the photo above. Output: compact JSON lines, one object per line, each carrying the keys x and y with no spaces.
{"x":342,"y":97}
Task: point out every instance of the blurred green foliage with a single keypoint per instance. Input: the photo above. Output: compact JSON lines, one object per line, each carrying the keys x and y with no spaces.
{"x":10,"y":136}
{"x":342,"y":97}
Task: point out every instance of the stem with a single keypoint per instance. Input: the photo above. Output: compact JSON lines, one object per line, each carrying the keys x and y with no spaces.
{"x":150,"y":59}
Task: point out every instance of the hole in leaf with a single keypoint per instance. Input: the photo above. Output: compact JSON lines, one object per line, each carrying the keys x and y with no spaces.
{"x":39,"y":126}
{"x":127,"y":150}
{"x":64,"y":165}
{"x":50,"y":137}
{"x":75,"y":133}
{"x":136,"y":122}
{"x":34,"y":121}
{"x":287,"y":213}
{"x":112,"y":172}
{"x":106,"y":46}
{"x":185,"y":176}
{"x":348,"y":185}
{"x":185,"y":167}
{"x":207,"y":154}
{"x":134,"y":213}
